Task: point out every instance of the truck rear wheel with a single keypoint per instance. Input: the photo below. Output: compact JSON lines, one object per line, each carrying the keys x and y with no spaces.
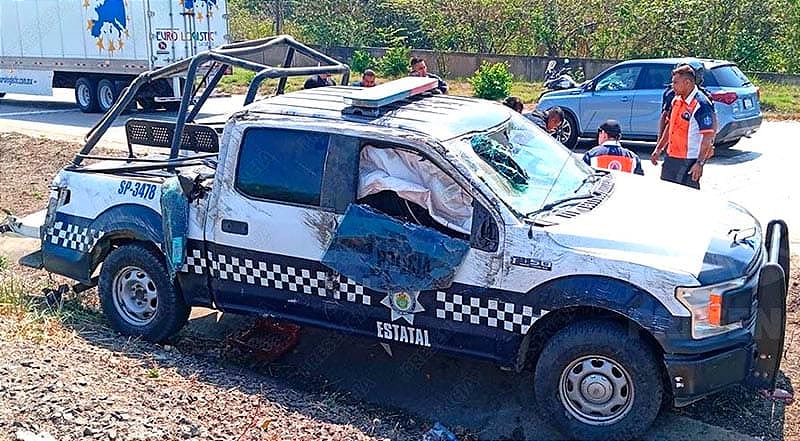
{"x":595,"y":381}
{"x":107,"y":95}
{"x":137,"y":295}
{"x":86,"y":95}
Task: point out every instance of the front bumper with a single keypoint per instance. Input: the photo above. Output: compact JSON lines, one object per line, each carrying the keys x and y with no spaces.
{"x":757,"y":362}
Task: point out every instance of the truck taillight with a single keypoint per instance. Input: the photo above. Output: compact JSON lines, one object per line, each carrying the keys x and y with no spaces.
{"x":724,"y":97}
{"x":758,"y":93}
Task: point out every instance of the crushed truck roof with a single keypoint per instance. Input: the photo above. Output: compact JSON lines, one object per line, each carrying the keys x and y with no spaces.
{"x":442,"y":117}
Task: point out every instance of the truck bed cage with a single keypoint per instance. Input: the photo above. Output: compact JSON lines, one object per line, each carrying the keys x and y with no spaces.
{"x":182,"y":134}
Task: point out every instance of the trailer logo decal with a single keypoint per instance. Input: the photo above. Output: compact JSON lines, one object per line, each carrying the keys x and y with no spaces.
{"x":110,"y":26}
{"x":189,"y":5}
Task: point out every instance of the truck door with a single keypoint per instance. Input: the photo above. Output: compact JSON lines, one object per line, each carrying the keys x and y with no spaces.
{"x":182,"y":29}
{"x":272,"y":222}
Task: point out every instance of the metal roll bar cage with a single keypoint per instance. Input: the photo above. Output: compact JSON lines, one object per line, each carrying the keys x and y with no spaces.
{"x":222,"y":58}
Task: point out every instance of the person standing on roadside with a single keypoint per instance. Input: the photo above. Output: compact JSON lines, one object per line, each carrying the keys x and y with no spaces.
{"x":420,"y":69}
{"x":690,"y":132}
{"x":513,"y":102}
{"x":367,"y":79}
{"x":321,"y":80}
{"x":666,"y":105}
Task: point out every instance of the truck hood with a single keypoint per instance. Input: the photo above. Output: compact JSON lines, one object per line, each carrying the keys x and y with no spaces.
{"x":666,"y":226}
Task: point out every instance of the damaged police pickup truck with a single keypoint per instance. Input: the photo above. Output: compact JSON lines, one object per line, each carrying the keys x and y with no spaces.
{"x":422,"y":219}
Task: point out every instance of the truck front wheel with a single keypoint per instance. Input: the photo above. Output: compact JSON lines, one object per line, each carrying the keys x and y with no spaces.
{"x":595,"y":381}
{"x":86,"y":95}
{"x":137,"y":295}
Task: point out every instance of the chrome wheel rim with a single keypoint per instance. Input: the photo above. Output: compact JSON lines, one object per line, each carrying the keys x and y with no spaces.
{"x":135,"y":296}
{"x":106,"y":96}
{"x":596,"y":390}
{"x":84,"y":95}
{"x":564,"y":132}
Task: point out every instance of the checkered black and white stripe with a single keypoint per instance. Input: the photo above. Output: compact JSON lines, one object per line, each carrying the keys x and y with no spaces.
{"x":267,"y":274}
{"x":494,"y":313}
{"x":72,"y":236}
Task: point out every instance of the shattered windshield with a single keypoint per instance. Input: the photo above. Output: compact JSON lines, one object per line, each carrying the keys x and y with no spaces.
{"x":523,"y":165}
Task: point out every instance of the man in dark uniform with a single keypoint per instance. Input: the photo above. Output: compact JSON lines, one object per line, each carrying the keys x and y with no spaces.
{"x":367,"y":80}
{"x":549,"y":120}
{"x":420,"y":69}
{"x":320,"y":80}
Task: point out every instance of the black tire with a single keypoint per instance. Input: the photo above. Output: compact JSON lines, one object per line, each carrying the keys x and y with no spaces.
{"x":615,"y":365}
{"x":86,"y":95}
{"x":726,"y":145}
{"x":171,"y":106}
{"x":130,"y":276}
{"x":147,"y":103}
{"x":107,"y":95}
{"x":569,"y":130}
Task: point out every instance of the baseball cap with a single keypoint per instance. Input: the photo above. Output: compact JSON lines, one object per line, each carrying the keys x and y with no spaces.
{"x":611,"y":127}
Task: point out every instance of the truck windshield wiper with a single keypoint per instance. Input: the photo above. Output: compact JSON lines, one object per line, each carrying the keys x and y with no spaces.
{"x":558,"y":202}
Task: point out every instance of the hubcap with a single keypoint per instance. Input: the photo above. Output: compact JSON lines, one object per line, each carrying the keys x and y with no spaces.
{"x":564,"y":132}
{"x":106,"y":97}
{"x":84,"y":95}
{"x":135,"y":296}
{"x":596,"y":390}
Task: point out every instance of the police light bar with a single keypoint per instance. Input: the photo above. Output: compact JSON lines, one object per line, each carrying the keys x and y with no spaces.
{"x":387,"y":93}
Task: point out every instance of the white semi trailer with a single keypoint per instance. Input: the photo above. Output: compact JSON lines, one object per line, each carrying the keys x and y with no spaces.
{"x":98,"y":47}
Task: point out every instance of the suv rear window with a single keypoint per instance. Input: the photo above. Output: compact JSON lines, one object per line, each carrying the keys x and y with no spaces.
{"x":726,"y":76}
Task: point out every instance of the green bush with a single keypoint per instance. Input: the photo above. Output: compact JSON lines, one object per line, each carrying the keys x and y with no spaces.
{"x":361,"y":61}
{"x":394,"y":62}
{"x":492,"y":81}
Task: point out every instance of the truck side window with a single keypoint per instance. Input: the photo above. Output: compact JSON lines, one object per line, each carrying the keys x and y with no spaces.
{"x":282,"y":165}
{"x":485,"y":235}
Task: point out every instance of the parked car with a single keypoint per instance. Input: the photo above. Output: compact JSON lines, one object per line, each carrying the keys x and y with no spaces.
{"x":448,"y":223}
{"x":631,"y":93}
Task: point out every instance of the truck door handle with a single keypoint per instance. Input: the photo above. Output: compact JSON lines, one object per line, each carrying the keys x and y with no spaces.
{"x":234,"y":227}
{"x":624,"y":99}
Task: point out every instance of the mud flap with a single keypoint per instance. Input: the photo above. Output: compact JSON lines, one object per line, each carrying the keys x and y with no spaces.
{"x":771,"y":316}
{"x":387,"y":255}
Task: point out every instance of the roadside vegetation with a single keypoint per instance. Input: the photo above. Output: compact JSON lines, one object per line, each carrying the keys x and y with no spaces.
{"x":759,"y":35}
{"x":778,"y":101}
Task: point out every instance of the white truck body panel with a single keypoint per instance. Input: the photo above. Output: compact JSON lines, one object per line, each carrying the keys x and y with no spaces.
{"x":104,"y":36}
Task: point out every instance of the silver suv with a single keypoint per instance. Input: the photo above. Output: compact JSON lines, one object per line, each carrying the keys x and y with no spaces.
{"x":631,"y":92}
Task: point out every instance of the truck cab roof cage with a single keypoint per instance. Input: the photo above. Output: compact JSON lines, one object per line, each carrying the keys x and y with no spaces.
{"x":238,"y":55}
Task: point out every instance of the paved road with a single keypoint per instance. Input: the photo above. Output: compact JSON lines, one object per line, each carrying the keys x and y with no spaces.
{"x":759,"y":174}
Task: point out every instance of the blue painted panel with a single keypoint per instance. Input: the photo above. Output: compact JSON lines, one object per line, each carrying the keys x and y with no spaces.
{"x":387,"y":255}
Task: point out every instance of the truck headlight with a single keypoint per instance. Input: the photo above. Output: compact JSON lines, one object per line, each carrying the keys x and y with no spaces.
{"x":705,"y":305}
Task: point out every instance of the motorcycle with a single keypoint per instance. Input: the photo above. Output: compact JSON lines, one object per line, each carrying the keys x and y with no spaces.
{"x":558,"y":79}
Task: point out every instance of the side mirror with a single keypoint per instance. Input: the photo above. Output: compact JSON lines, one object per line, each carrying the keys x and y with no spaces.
{"x":588,"y":86}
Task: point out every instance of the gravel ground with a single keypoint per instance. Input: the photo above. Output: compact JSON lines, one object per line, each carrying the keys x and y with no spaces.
{"x":95,"y":385}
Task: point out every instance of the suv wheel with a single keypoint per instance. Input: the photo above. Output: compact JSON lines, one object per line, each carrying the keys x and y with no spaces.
{"x":137,"y":295}
{"x":595,"y":381}
{"x":568,"y":132}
